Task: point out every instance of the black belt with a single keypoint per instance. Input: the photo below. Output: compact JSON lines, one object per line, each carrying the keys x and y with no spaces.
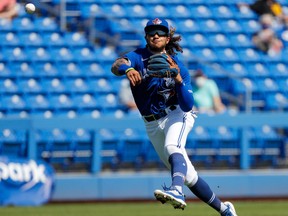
{"x":157,"y":116}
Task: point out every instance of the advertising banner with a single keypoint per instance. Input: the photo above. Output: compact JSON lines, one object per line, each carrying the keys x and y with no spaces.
{"x":25,"y":182}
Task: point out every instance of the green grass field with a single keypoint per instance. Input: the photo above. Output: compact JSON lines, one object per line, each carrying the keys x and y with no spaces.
{"x":244,"y":208}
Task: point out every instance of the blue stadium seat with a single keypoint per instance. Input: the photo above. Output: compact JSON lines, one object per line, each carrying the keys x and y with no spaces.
{"x":6,"y":25}
{"x":23,"y":24}
{"x":54,"y":85}
{"x":159,"y":10}
{"x":86,"y":102}
{"x":14,"y":54}
{"x":77,"y":85}
{"x":93,"y":69}
{"x":38,"y":54}
{"x":188,"y":26}
{"x":205,"y":54}
{"x":250,"y":26}
{"x":37,"y":102}
{"x":227,"y":139}
{"x":70,"y":69}
{"x":241,"y":40}
{"x":258,"y":69}
{"x":226,"y":55}
{"x":249,"y":55}
{"x":276,"y":102}
{"x":85,"y":54}
{"x":75,"y":39}
{"x":278,"y":69}
{"x":109,"y":151}
{"x":197,"y":40}
{"x":179,"y":10}
{"x":31,"y":39}
{"x":130,"y":149}
{"x":13,"y":143}
{"x":61,"y":54}
{"x":23,"y":69}
{"x":30,"y":85}
{"x":9,"y":39}
{"x":53,"y":39}
{"x":13,"y":102}
{"x":61,"y":102}
{"x":115,"y":10}
{"x":236,"y":69}
{"x":219,"y":40}
{"x":5,"y":71}
{"x":200,"y":146}
{"x":46,"y":69}
{"x":109,"y":102}
{"x":283,"y":84}
{"x":222,"y":12}
{"x":230,"y":26}
{"x":136,"y":10}
{"x":46,"y":24}
{"x":8,"y":86}
{"x":267,"y":85}
{"x":101,"y":86}
{"x":209,"y":26}
{"x":200,"y":11}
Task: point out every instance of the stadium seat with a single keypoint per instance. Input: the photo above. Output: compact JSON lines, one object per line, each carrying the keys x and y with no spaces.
{"x":219,"y":40}
{"x":46,"y":24}
{"x":258,"y":69}
{"x":236,"y":69}
{"x":197,"y":40}
{"x":100,"y":86}
{"x":74,"y":39}
{"x":5,"y":71}
{"x":13,"y":143}
{"x":230,"y":26}
{"x":93,"y":69}
{"x":136,"y":10}
{"x":9,"y":39}
{"x":86,"y":102}
{"x":241,"y":40}
{"x":54,"y":85}
{"x":222,"y":12}
{"x":62,"y":54}
{"x":31,"y":39}
{"x":61,"y":102}
{"x":209,"y":26}
{"x":131,"y":142}
{"x":30,"y":85}
{"x":159,"y":10}
{"x":226,"y":55}
{"x":46,"y":69}
{"x":109,"y":152}
{"x":37,"y":102}
{"x":23,"y":24}
{"x":276,"y":102}
{"x":53,"y":39}
{"x":37,"y":54}
{"x":278,"y":69}
{"x":14,"y":54}
{"x":77,"y":85}
{"x":200,"y":11}
{"x":200,"y":146}
{"x":8,"y":86}
{"x":13,"y":102}
{"x":70,"y":69}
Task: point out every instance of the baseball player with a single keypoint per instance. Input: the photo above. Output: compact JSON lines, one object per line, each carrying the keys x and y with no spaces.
{"x":163,"y":93}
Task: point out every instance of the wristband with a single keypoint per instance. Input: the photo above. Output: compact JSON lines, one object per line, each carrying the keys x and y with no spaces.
{"x":124,"y":68}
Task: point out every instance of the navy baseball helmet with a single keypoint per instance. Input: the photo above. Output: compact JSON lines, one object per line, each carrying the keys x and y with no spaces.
{"x":156,"y":25}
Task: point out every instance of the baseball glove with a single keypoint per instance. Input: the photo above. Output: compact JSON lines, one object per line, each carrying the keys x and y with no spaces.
{"x":162,"y":66}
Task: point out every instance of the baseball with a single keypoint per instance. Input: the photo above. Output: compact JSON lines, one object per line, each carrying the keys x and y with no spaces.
{"x":30,"y":8}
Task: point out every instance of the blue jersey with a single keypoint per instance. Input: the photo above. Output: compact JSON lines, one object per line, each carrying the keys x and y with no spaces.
{"x":154,"y":95}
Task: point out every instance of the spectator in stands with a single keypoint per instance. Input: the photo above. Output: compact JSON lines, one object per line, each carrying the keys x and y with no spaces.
{"x":8,"y":9}
{"x":266,"y":38}
{"x":272,"y":7}
{"x":126,"y":98}
{"x":206,"y":94}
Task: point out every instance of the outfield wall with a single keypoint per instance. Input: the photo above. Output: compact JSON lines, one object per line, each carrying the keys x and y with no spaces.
{"x":138,"y":186}
{"x":98,"y":186}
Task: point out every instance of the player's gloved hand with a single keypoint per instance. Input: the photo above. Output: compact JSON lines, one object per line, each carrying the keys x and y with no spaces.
{"x":162,"y":66}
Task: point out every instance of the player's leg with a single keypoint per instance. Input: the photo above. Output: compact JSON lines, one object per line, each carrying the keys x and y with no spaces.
{"x":176,"y":128}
